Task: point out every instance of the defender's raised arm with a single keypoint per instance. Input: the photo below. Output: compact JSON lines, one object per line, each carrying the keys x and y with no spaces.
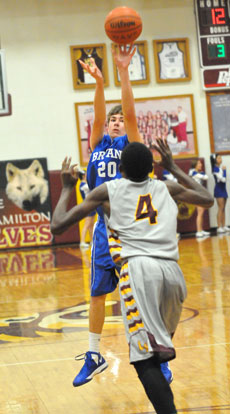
{"x":188,"y":190}
{"x":62,"y":217}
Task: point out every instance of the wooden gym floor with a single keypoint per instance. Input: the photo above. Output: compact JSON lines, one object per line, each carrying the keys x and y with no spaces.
{"x":44,"y":300}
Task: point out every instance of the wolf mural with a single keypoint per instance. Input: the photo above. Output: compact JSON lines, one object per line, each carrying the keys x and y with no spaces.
{"x":27,"y":188}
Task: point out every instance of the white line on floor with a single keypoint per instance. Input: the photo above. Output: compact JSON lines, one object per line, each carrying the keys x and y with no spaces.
{"x":117,"y":354}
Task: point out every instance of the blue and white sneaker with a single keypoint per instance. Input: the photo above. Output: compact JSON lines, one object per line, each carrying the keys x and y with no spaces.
{"x":166,"y":371}
{"x":94,"y":364}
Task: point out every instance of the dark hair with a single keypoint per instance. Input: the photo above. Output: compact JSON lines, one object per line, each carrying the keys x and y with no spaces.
{"x":194,"y":163}
{"x":136,"y":161}
{"x":213,"y":158}
{"x":114,"y":111}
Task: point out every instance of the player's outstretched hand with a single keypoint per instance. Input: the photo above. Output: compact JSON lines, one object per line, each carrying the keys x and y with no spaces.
{"x":122,"y":55}
{"x":92,"y":69}
{"x":163,"y":149}
{"x":69,"y":173}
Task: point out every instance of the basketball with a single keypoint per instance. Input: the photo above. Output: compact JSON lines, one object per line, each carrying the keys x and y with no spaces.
{"x":123,"y":25}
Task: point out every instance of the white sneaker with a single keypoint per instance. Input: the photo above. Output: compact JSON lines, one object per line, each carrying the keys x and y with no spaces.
{"x":206,"y":233}
{"x":226,"y":228}
{"x":82,"y":244}
{"x":220,"y":230}
{"x":199,"y":234}
{"x":202,"y":239}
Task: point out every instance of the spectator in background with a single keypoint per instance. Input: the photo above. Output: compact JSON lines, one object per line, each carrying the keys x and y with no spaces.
{"x":183,"y":119}
{"x":200,"y":177}
{"x":166,"y":175}
{"x":166,"y":118}
{"x":220,"y":192}
{"x":174,"y":123}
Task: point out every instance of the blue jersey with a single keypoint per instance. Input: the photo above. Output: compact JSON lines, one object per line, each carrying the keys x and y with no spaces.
{"x":103,"y":166}
{"x":84,"y":190}
{"x":104,"y":162}
{"x":220,"y":182}
{"x":198,"y":176}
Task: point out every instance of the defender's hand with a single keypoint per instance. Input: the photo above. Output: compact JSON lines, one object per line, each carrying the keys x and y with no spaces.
{"x":92,"y":69}
{"x":163,"y":149}
{"x":122,"y":55}
{"x":69,"y":173}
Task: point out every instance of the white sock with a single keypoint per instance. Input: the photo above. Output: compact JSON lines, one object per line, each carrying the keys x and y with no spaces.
{"x":94,"y":342}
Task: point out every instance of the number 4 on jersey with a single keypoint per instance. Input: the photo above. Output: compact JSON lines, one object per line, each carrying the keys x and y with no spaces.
{"x":145,"y":209}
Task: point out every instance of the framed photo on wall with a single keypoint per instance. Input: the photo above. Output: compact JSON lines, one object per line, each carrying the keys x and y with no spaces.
{"x":4,"y":98}
{"x":138,"y":67}
{"x":81,"y":78}
{"x":218,"y":106}
{"x":170,"y":117}
{"x":172,"y":60}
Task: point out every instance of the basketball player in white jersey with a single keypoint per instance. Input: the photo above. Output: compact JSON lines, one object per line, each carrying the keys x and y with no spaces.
{"x":142,"y":218}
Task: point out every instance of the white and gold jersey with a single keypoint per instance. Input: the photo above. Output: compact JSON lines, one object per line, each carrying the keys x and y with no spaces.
{"x":171,"y":61}
{"x":143,"y":220}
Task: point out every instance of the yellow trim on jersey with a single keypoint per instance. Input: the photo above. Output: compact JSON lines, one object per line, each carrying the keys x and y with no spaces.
{"x":112,"y":238}
{"x":125,"y":291}
{"x":124,"y":278}
{"x":115,"y":249}
{"x":132,"y":315}
{"x":136,"y":327}
{"x":129,"y":302}
{"x":124,"y":267}
{"x":116,"y":260}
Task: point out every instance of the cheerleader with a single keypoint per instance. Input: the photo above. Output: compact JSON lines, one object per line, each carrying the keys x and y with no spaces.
{"x":220,"y":192}
{"x":200,"y":177}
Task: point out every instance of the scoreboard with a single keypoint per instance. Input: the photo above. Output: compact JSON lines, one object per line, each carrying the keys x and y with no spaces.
{"x":213,"y":31}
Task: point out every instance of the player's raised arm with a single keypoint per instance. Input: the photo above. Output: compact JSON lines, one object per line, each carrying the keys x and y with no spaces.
{"x":99,"y":103}
{"x":188,"y":190}
{"x":122,"y":57}
{"x":63,"y":218}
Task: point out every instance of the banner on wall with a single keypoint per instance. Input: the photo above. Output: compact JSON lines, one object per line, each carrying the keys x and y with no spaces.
{"x":25,"y":206}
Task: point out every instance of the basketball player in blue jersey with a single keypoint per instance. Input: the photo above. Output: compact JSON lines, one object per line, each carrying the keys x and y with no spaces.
{"x":143,"y":236}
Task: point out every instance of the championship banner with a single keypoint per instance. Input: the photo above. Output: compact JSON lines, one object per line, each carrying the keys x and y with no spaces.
{"x":25,"y":207}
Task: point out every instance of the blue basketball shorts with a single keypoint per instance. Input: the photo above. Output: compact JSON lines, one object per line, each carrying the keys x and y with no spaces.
{"x":104,"y":273}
